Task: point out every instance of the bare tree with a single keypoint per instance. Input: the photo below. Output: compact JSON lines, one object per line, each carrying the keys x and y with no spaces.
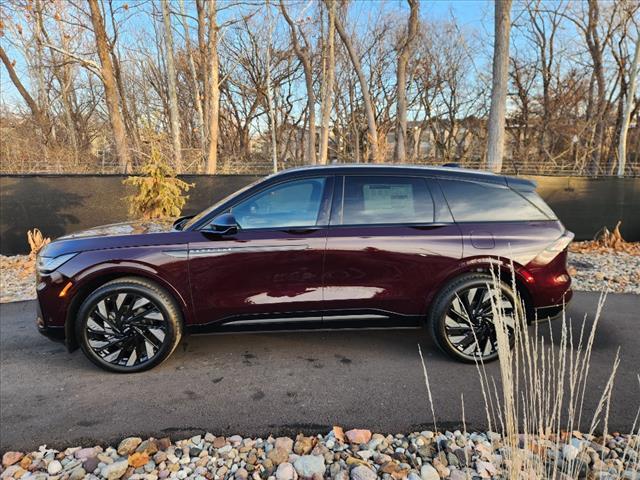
{"x":328,"y":83}
{"x":213,"y":87}
{"x":174,"y":114}
{"x":303,"y":52}
{"x":496,"y":127}
{"x":400,"y":152}
{"x":624,"y":127}
{"x":364,"y":87}
{"x":110,"y":88}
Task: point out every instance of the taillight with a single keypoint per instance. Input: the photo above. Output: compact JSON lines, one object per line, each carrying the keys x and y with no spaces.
{"x":555,"y":248}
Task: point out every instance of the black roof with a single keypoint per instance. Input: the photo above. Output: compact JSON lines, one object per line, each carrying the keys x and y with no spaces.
{"x":440,"y":172}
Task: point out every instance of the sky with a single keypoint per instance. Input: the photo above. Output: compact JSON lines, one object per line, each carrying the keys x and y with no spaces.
{"x":473,"y":14}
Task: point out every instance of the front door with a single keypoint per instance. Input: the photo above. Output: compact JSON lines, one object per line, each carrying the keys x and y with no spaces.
{"x":386,"y":249}
{"x":271,"y":269}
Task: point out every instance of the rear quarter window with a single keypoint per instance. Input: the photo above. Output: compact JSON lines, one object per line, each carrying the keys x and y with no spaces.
{"x":482,"y":202}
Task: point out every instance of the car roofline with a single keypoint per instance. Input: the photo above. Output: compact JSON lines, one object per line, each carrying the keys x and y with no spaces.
{"x":441,"y":172}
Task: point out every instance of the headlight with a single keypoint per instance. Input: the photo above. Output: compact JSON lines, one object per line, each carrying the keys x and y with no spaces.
{"x":50,"y":264}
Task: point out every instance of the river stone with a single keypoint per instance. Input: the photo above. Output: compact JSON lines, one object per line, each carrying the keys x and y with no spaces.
{"x":128,"y":445}
{"x":9,"y":458}
{"x":363,"y":473}
{"x":427,"y":472}
{"x":308,"y":465}
{"x":54,"y":467}
{"x":115,"y":470}
{"x":286,"y":471}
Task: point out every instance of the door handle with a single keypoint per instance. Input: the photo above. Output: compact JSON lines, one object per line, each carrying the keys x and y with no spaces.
{"x":301,"y":230}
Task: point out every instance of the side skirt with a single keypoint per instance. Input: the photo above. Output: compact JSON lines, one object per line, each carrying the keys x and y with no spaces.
{"x":297,"y":321}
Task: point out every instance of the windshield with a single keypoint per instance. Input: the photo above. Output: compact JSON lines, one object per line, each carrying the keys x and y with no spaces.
{"x":207,"y":211}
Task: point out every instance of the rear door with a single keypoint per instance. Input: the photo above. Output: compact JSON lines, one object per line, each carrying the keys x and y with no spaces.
{"x":390,"y":241}
{"x":271,"y":269}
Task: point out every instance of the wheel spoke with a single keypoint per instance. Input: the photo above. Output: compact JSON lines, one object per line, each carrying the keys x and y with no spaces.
{"x":469,"y":323}
{"x":126,"y":329}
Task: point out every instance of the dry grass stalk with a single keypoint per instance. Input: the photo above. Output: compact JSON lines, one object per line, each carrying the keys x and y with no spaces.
{"x":540,"y":404}
{"x":37,"y":241}
{"x":607,"y":241}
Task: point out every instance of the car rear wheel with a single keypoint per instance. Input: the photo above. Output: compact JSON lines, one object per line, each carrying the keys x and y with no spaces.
{"x":128,"y":325}
{"x":461,"y":320}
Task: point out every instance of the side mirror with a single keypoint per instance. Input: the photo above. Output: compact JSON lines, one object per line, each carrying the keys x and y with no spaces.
{"x":178,"y":224}
{"x":224,"y":224}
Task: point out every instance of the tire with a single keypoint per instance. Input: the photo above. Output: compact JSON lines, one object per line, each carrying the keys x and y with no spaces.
{"x":128,"y":325}
{"x":464,"y":340}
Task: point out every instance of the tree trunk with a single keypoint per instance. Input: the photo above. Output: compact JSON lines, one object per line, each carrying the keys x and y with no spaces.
{"x":327,"y":86}
{"x":214,"y":89}
{"x":39,"y":116}
{"x":194,"y":78}
{"x":110,"y":88}
{"x":595,"y":49}
{"x":624,"y":127}
{"x":496,"y":134}
{"x":303,"y":55}
{"x":174,"y":113}
{"x":400,"y":150}
{"x":366,"y":96}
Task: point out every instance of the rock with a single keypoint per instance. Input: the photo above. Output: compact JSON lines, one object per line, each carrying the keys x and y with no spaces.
{"x":427,"y":472}
{"x":85,"y":453}
{"x":138,"y":459}
{"x":569,"y":452}
{"x":278,"y":455}
{"x":285,"y":443}
{"x":77,"y":473}
{"x":128,"y":445}
{"x":358,"y":436}
{"x":90,"y":464}
{"x":486,"y":469}
{"x":457,"y":475}
{"x":219,"y":442}
{"x":163,"y":443}
{"x":341,"y":475}
{"x":308,"y":465}
{"x":303,"y":445}
{"x":286,"y":471}
{"x":363,"y":473}
{"x":115,"y":470}
{"x":9,"y":458}
{"x":241,"y":474}
{"x":25,"y":462}
{"x":54,"y":467}
{"x":12,"y":472}
{"x":149,"y":446}
{"x":338,"y":433}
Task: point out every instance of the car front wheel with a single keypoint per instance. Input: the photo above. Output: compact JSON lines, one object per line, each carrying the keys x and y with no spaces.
{"x":128,"y":325}
{"x":461,"y":320}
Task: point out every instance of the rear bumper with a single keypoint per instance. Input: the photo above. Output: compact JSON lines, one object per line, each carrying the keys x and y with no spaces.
{"x":549,"y":312}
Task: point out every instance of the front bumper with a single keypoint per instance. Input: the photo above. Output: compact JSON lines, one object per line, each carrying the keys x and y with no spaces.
{"x":55,"y":333}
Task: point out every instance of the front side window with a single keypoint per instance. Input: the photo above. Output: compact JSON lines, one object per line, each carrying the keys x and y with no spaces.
{"x":291,"y":204}
{"x":482,"y":202}
{"x":386,"y":200}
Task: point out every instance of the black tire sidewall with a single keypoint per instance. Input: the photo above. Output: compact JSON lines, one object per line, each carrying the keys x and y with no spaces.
{"x":157,"y":297}
{"x":440,"y":306}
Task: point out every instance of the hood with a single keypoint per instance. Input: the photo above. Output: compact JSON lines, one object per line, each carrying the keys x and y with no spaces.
{"x":117,"y":235}
{"x":124,"y":228}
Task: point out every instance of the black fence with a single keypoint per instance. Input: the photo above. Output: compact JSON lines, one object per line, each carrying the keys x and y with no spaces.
{"x":59,"y":204}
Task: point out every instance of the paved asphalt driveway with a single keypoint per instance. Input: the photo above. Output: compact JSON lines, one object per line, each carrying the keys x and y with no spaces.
{"x":261,"y":383}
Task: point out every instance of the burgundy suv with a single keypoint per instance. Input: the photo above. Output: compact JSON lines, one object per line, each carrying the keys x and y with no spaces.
{"x":335,"y":246}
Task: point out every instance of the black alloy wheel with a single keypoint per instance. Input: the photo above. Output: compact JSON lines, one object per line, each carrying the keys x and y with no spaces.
{"x":462,"y":317}
{"x":128,"y":325}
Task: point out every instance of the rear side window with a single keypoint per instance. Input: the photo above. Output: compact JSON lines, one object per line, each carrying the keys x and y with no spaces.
{"x":382,"y":200}
{"x":481,"y":202}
